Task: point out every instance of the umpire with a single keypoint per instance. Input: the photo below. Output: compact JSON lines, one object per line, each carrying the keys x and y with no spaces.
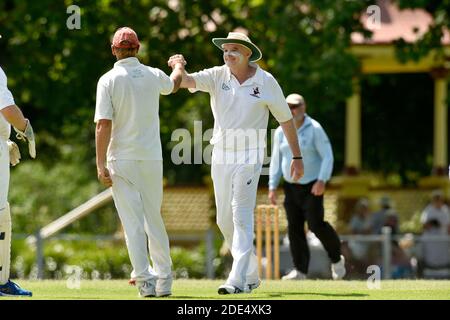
{"x":304,"y":199}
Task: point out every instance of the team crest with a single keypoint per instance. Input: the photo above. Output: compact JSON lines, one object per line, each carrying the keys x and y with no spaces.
{"x":255,"y":93}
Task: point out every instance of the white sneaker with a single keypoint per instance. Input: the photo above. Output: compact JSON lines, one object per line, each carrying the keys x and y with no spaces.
{"x":249,"y":287}
{"x":294,"y":275}
{"x":164,"y":287}
{"x":229,"y":289}
{"x":146,"y":288}
{"x":338,"y":269}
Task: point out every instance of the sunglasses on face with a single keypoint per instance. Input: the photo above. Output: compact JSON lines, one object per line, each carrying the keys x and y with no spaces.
{"x":294,"y":106}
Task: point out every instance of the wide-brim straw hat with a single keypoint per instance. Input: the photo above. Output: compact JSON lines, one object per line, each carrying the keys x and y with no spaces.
{"x":242,"y":39}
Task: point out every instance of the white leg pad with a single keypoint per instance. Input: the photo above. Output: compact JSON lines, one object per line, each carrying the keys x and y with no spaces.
{"x":5,"y":244}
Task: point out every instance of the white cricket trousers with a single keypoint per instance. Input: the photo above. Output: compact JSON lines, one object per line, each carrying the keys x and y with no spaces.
{"x":137,"y":192}
{"x":4,"y":174}
{"x":5,"y":216}
{"x":235,"y":187}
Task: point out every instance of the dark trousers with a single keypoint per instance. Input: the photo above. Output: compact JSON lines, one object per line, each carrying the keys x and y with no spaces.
{"x":301,"y":205}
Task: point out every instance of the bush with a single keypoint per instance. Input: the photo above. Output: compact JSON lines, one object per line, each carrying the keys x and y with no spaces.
{"x":98,"y":260}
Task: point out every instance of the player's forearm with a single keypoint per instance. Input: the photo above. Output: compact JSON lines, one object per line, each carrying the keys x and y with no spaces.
{"x":291,"y":136}
{"x":177,"y":62}
{"x":187,"y":81}
{"x":15,"y":117}
{"x":102,"y":138}
{"x":177,"y":77}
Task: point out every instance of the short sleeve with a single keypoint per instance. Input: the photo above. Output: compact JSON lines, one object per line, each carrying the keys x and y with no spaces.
{"x":204,"y":80}
{"x":103,"y":107}
{"x":6,"y":97}
{"x":165,"y":83}
{"x":277,"y":105}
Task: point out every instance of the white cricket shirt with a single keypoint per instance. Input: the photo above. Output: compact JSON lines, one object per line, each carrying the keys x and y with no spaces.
{"x":241,"y":111}
{"x":6,"y":100}
{"x":129,"y":96}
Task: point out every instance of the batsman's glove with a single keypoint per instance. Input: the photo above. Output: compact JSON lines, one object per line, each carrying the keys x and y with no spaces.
{"x":27,"y":134}
{"x":14,"y":152}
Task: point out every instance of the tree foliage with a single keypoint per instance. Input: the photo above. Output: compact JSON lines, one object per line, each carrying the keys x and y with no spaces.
{"x":53,"y":72}
{"x":431,"y":40}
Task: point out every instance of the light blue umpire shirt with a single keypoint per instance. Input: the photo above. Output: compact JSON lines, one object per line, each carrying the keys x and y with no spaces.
{"x":316,"y":152}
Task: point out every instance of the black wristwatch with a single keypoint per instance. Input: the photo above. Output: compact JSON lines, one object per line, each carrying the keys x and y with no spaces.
{"x":295,"y":158}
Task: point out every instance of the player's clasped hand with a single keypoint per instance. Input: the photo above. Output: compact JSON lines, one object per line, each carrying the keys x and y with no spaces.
{"x":104,"y":177}
{"x":175,"y":59}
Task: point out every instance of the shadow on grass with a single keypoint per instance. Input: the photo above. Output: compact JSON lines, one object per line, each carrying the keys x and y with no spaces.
{"x":271,"y":295}
{"x":343,"y":295}
{"x":221,"y":297}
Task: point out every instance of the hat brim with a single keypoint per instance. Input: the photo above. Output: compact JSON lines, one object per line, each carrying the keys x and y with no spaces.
{"x":256,"y":53}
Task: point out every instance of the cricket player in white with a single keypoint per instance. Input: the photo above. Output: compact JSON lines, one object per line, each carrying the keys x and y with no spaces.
{"x":129,"y":158}
{"x":9,"y":154}
{"x":242,"y":94}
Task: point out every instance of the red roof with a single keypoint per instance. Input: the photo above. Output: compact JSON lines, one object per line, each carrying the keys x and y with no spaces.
{"x":396,"y":24}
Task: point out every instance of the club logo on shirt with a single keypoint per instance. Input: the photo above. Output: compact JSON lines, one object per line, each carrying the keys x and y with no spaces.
{"x":225,"y":87}
{"x":136,"y":73}
{"x":255,"y":93}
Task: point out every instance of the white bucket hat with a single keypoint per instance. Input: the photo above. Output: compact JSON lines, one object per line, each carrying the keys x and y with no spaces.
{"x":242,"y":39}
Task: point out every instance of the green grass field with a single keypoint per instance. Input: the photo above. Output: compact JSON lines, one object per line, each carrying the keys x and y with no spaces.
{"x":207,"y":289}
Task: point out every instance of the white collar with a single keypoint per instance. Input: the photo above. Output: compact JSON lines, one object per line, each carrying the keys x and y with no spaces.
{"x":257,"y":78}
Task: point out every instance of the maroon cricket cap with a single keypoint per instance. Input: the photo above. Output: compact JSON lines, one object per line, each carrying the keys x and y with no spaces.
{"x":125,"y":38}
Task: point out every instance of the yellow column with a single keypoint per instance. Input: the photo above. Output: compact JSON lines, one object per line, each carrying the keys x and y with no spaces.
{"x":352,"y":185}
{"x":439,"y":178}
{"x":440,"y":159}
{"x":353,"y":131}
